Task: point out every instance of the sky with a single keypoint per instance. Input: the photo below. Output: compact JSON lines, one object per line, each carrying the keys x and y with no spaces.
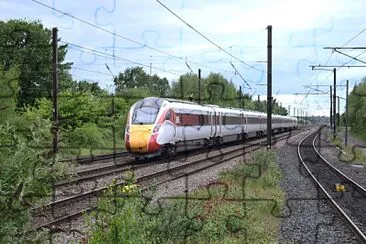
{"x":145,"y":33}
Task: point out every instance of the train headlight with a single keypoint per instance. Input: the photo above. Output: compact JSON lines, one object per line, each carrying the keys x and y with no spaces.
{"x":156,"y":128}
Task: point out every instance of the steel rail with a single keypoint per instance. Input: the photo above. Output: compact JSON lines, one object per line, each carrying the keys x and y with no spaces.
{"x":337,"y":207}
{"x":99,"y":191}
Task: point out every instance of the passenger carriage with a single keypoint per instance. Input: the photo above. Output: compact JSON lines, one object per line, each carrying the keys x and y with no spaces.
{"x":157,"y":126}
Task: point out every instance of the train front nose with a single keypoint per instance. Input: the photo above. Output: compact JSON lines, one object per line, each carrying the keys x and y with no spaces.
{"x":140,"y":139}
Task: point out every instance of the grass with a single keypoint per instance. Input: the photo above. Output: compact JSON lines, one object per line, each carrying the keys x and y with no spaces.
{"x":246,"y":214}
{"x":349,"y":155}
{"x":240,"y":207}
{"x":360,"y":135}
{"x":102,"y":145}
{"x":108,"y":148}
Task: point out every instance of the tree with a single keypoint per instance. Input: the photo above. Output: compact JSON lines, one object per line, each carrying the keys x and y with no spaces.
{"x":8,"y":91}
{"x":93,"y":87}
{"x":137,"y":78}
{"x":186,"y":87}
{"x":220,"y":91}
{"x":26,"y":44}
{"x":159,"y":87}
{"x":131,"y":78}
{"x":357,"y":108}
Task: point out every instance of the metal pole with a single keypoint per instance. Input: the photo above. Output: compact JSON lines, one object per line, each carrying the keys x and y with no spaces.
{"x":339,"y":112}
{"x":181,"y":88}
{"x":54,"y":90}
{"x":150,"y":65}
{"x":301,"y":117}
{"x":331,"y":107}
{"x":259,"y":103}
{"x":199,"y":86}
{"x":334,"y":102}
{"x":240,"y":98}
{"x":346,"y":124}
{"x":289,"y":110}
{"x":269,"y":86}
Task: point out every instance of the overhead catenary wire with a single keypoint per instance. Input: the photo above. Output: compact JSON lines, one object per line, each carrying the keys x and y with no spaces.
{"x":354,"y":37}
{"x":345,"y":63}
{"x":240,"y":75}
{"x":347,"y":55}
{"x":205,"y":37}
{"x":346,"y":43}
{"x":92,"y":71}
{"x":104,"y":54}
{"x":123,"y":37}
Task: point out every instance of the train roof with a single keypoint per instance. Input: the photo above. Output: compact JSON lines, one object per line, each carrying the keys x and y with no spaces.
{"x":206,"y":107}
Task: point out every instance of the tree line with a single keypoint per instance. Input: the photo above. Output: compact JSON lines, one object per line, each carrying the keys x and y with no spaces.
{"x":214,"y":89}
{"x":357,"y":110}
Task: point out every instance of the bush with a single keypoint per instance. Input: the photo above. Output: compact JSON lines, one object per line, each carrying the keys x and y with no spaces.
{"x":119,"y":217}
{"x":26,"y":176}
{"x":128,"y":217}
{"x":88,"y":135}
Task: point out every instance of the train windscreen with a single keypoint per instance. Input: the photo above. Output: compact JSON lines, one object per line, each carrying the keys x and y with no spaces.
{"x":146,"y":110}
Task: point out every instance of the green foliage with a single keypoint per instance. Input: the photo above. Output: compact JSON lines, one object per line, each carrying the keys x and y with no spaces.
{"x":118,"y":217}
{"x":86,"y":135}
{"x":259,"y":162}
{"x":86,"y":120}
{"x":349,"y":154}
{"x":26,"y":176}
{"x":9,"y":88}
{"x":187,"y":87}
{"x":25,"y":44}
{"x":220,"y":91}
{"x":137,"y":78}
{"x":357,"y":109}
{"x":215,"y":89}
{"x":124,"y":216}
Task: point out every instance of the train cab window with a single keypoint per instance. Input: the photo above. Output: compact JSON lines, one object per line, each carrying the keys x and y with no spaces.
{"x":168,"y":115}
{"x":146,"y":110}
{"x":144,"y":115}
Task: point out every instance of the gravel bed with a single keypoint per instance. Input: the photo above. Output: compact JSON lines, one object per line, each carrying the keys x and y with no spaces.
{"x":97,"y":163}
{"x":332,"y":154}
{"x":306,"y":218}
{"x":73,"y":231}
{"x":171,"y":188}
{"x":66,"y":208}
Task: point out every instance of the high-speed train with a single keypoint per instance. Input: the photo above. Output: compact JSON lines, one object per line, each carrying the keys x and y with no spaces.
{"x":163,"y":126}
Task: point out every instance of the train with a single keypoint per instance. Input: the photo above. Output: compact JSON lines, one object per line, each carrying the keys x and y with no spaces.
{"x":163,"y":126}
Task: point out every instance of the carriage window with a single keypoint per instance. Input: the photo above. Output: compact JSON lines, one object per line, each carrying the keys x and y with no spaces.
{"x":144,"y":115}
{"x":201,"y":118}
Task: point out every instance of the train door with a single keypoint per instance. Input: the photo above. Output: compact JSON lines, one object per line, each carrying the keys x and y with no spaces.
{"x":218,"y":124}
{"x":214,"y":123}
{"x":211,"y":124}
{"x":178,"y":126}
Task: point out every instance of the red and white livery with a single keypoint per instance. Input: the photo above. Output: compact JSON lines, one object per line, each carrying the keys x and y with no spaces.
{"x":158,"y":126}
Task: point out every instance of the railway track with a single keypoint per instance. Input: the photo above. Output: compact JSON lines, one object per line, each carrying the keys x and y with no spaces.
{"x":68,"y":208}
{"x":344,"y":194}
{"x":94,"y":158}
{"x":76,"y":183}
